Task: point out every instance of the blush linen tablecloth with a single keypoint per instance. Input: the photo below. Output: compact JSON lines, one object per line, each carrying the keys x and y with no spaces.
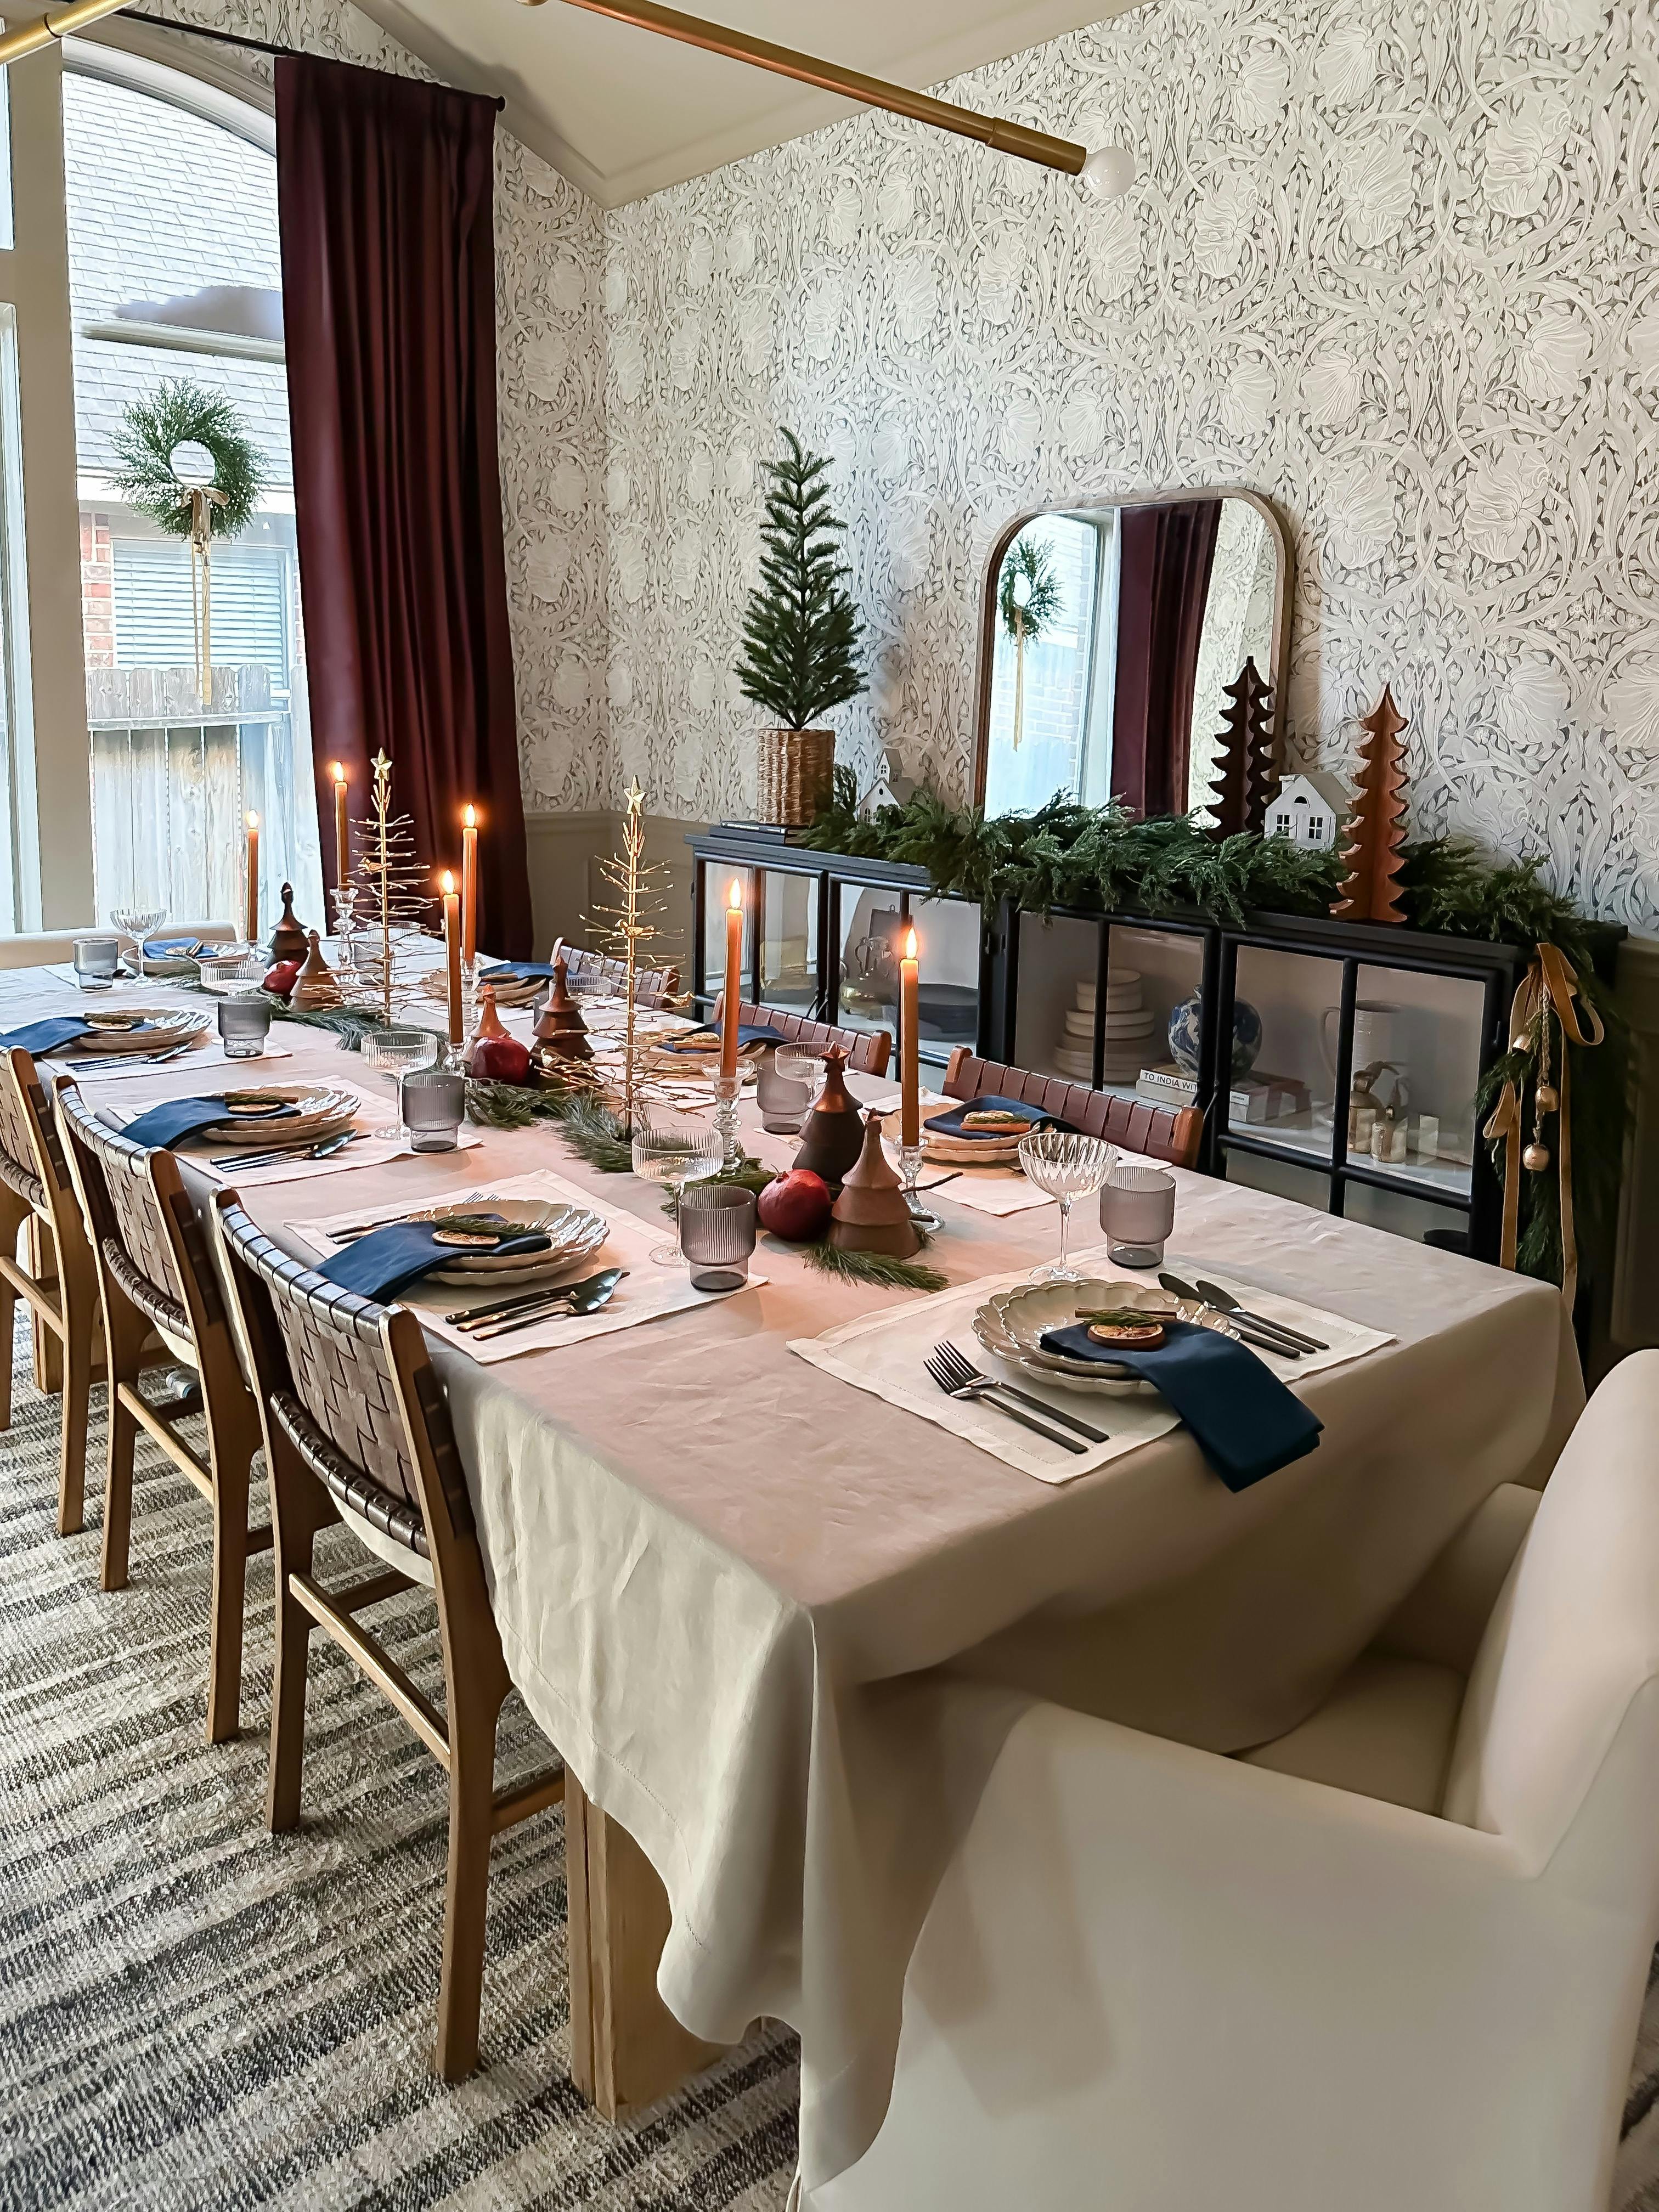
{"x":734,"y":1590}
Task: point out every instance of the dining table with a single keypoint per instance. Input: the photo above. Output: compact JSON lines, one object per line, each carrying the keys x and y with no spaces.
{"x":740,"y":1594}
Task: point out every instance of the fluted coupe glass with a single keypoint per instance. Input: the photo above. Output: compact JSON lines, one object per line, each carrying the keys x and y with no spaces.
{"x":1067,"y":1168}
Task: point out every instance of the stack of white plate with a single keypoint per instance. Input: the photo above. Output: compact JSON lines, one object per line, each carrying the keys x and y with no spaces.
{"x":510,"y":990}
{"x":971,"y":1151}
{"x":577,"y":1233}
{"x":322,"y":1111}
{"x":1010,"y":1326}
{"x":138,"y":1029}
{"x":1128,"y":1027}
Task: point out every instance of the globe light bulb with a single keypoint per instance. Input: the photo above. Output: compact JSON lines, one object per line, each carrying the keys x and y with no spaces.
{"x":1108,"y":172}
{"x":1020,"y":590}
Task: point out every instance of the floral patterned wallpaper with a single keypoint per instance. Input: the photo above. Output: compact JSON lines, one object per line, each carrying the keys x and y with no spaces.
{"x":1395,"y":264}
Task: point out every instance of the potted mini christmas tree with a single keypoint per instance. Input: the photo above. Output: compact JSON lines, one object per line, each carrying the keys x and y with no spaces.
{"x":800,"y":637}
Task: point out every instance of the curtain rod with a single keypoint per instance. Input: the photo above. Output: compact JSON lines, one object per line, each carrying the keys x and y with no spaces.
{"x":90,"y":11}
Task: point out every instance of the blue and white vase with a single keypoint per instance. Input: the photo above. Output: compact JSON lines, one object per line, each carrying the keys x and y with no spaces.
{"x":1186,"y":1021}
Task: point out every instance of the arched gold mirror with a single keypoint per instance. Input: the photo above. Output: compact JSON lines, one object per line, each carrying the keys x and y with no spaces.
{"x":1109,"y":632}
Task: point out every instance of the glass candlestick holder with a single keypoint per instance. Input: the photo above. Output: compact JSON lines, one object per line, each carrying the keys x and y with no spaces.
{"x":910,"y":1158}
{"x":345,"y":938}
{"x":726,"y":1088}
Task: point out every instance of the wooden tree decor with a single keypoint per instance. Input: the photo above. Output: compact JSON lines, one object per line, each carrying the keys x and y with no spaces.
{"x":1378,"y":830}
{"x":1245,"y":775}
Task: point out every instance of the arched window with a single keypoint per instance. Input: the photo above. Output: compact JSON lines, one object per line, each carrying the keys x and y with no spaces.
{"x":174,"y":273}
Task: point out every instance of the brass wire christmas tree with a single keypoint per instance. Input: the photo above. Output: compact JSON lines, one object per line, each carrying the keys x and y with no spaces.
{"x":630,"y":925}
{"x":390,"y":876}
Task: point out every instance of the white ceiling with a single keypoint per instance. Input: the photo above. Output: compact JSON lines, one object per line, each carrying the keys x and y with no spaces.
{"x":624,"y":111}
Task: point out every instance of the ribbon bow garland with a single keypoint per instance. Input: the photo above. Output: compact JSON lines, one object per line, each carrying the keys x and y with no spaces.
{"x":201,"y":500}
{"x":1548,"y":997}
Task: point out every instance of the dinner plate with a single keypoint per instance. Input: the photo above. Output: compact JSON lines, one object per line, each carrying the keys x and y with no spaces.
{"x":971,"y":1151}
{"x":576,"y":1231}
{"x":1012,"y":1325}
{"x":117,"y":1029}
{"x":323,"y":1111}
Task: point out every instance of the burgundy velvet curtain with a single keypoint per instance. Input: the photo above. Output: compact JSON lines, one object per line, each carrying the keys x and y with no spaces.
{"x":384,"y":194}
{"x":1165,"y":556}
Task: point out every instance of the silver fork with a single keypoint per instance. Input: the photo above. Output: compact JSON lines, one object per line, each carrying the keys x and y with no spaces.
{"x":970,"y":1377}
{"x":942,"y":1375}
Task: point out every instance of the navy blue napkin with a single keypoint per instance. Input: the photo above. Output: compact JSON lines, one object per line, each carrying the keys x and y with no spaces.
{"x":1244,"y":1420}
{"x":38,"y":1037}
{"x":172,"y":948}
{"x":748,"y":1033}
{"x":950,"y":1125}
{"x":388,"y":1259}
{"x":178,"y":1118}
{"x":513,"y":970}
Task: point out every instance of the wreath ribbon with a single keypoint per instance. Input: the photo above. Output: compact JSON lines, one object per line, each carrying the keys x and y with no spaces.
{"x":201,"y":500}
{"x":1549,"y":989}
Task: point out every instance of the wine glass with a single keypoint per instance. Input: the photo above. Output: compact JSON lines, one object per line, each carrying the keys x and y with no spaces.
{"x":399,"y":1053}
{"x":1066,"y":1167}
{"x":137,"y":922}
{"x":672,"y":1150}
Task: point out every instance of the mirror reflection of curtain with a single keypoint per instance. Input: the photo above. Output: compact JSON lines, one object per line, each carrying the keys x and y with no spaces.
{"x":1163,"y":584}
{"x":1238,"y":626}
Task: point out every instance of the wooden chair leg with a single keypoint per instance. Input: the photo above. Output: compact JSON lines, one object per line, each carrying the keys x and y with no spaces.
{"x":124,"y":1330}
{"x":466,"y":1897}
{"x":42,"y":1263}
{"x":297,"y":1512}
{"x":8,"y":1322}
{"x":72,"y":1435}
{"x":230,"y":1486}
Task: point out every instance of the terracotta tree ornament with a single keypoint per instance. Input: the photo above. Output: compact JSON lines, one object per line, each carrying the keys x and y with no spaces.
{"x":832,"y":1139}
{"x":316,"y":984}
{"x":872,"y":1213}
{"x":1377,"y":833}
{"x":1245,"y":776}
{"x":561,"y":1031}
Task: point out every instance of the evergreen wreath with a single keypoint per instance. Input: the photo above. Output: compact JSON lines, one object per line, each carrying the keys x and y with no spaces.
{"x":182,"y":413}
{"x":801,"y":631}
{"x":1027,"y":557}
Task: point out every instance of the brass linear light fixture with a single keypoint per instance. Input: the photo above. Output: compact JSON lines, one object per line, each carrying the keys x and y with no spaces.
{"x":1106,"y":173}
{"x":56,"y":23}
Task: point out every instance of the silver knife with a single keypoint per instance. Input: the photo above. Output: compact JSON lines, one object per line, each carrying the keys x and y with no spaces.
{"x":1264,"y":1339}
{"x":555,"y":1309}
{"x":1229,"y":1304}
{"x":465,"y":1317}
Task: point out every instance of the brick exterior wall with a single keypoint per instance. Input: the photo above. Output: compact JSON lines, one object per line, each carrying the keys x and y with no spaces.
{"x":97,"y":590}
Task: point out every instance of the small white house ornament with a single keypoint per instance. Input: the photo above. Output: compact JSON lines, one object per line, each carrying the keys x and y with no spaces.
{"x":1307,"y":809}
{"x":892,"y":787}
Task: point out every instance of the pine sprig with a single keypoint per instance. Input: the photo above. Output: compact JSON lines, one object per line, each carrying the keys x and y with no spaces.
{"x":801,"y":630}
{"x":879,"y":1268}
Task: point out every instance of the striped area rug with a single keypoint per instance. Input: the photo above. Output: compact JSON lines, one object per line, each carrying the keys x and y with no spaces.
{"x":197,"y":2016}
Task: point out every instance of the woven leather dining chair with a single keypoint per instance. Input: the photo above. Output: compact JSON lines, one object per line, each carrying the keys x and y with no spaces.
{"x":658,"y":987}
{"x":357,"y":1430}
{"x":868,"y":1051}
{"x":1159,"y":1133}
{"x":59,"y":1282}
{"x":156,"y":1273}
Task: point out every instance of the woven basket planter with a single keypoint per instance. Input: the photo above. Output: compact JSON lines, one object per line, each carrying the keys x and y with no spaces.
{"x":797,"y":775}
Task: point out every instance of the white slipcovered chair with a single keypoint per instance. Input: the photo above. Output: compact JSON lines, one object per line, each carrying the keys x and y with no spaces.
{"x":1156,"y":1980}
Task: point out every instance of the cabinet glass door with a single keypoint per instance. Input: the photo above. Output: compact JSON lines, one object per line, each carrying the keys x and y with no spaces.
{"x":947,"y":948}
{"x":1416,"y":1067}
{"x":789,"y":942}
{"x":1286,"y":1013}
{"x":718,"y":877}
{"x":871,"y":943}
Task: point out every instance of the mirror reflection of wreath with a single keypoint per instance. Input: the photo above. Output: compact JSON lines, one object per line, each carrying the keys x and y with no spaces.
{"x":1028,"y":600}
{"x":187,"y":462}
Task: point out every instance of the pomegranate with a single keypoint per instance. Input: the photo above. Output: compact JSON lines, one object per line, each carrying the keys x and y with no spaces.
{"x":283,"y":977}
{"x":498,"y":1060}
{"x":796,"y":1206}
